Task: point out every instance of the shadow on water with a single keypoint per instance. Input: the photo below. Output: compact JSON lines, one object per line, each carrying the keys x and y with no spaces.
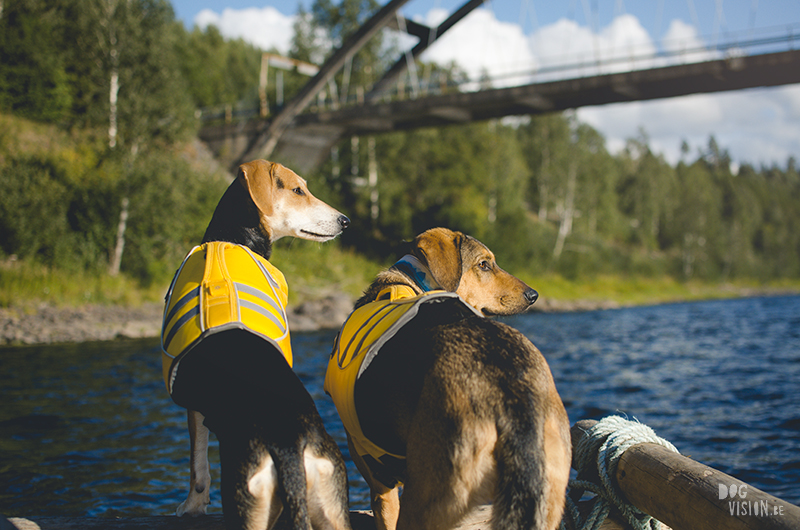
{"x":88,"y":429}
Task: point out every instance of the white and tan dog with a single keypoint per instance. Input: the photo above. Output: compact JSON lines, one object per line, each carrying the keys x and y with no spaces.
{"x":227,"y":360}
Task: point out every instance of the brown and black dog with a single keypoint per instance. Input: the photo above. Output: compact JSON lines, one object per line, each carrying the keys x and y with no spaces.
{"x":460,"y":410}
{"x":235,"y":380}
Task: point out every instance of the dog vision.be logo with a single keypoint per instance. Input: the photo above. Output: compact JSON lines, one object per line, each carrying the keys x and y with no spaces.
{"x":738,"y":504}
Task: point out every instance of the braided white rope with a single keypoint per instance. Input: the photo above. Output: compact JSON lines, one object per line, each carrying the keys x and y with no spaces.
{"x":602,"y":447}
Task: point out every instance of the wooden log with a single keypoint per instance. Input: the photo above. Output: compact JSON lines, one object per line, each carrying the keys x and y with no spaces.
{"x":478,"y":519}
{"x":686,"y":495}
{"x":360,"y":520}
{"x":160,"y":522}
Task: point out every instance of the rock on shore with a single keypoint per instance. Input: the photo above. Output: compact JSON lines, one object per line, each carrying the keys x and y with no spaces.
{"x":48,"y":324}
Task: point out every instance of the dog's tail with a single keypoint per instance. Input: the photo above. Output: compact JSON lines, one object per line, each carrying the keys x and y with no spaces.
{"x":292,"y":485}
{"x":520,"y":502}
{"x":532,"y":455}
{"x":256,"y":477}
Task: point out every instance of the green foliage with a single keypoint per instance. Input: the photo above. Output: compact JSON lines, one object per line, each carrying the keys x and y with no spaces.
{"x":170,"y":207}
{"x":64,"y":61}
{"x":28,"y":188}
{"x":60,"y":206}
{"x":218,"y":71}
{"x":34,"y":79}
{"x":548,"y":197}
{"x":543,"y":192}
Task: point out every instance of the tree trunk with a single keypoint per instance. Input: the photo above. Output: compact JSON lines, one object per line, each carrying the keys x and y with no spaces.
{"x":113,"y":93}
{"x":543,"y":180}
{"x":373,"y":181}
{"x":568,"y":210}
{"x":121,"y":227}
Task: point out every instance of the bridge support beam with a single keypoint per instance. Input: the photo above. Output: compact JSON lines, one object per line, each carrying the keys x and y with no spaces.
{"x":265,"y":142}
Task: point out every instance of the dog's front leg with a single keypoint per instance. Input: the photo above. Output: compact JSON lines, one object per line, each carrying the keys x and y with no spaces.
{"x":385,"y":506}
{"x":200,"y":482}
{"x":385,"y":502}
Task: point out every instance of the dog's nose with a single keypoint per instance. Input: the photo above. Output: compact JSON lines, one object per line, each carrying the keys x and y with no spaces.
{"x":531,"y":296}
{"x":344,"y":222}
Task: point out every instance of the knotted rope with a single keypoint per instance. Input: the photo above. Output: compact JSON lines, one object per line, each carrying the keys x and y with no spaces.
{"x":600,"y":450}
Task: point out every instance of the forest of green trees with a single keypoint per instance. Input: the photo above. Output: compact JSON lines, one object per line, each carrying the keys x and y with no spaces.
{"x":101,"y":100}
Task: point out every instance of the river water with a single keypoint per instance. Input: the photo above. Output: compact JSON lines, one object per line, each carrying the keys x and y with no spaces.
{"x":89,"y":430}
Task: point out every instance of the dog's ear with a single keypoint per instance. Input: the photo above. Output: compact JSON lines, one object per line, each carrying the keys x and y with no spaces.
{"x":439,"y":249}
{"x":257,"y":177}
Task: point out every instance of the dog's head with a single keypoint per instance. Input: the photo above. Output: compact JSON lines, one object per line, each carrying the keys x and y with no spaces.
{"x":285,"y":206}
{"x":463,"y":264}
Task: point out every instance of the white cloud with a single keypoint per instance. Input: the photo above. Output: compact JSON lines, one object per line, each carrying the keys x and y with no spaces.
{"x":265,"y":28}
{"x":481,"y":44}
{"x":684,"y":44}
{"x":758,"y":126}
{"x":564,"y":42}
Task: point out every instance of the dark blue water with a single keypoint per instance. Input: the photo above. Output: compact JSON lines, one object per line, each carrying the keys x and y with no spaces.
{"x":88,"y":429}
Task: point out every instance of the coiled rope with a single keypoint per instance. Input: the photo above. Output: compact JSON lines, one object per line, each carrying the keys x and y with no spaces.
{"x":600,"y":450}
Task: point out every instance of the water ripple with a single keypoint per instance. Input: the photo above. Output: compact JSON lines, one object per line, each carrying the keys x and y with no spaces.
{"x":88,"y":429}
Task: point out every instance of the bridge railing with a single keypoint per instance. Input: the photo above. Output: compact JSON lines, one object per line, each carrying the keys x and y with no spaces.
{"x":676,"y":52}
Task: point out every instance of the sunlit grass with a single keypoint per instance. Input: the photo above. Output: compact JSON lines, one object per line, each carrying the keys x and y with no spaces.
{"x":312,"y":270}
{"x":640,"y":290}
{"x":27,"y":284}
{"x":316,"y":270}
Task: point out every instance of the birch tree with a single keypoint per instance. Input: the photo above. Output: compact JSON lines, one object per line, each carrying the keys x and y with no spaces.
{"x":132,"y":44}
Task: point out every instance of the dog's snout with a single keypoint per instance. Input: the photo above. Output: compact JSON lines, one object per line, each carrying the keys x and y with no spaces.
{"x":344,"y":222}
{"x":531,"y":295}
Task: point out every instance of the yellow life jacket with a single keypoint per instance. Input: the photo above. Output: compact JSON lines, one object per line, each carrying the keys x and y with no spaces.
{"x":363,"y":334}
{"x":221,"y":286}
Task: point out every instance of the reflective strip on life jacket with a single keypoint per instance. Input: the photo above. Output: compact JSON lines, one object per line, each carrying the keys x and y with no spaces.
{"x":222,"y":286}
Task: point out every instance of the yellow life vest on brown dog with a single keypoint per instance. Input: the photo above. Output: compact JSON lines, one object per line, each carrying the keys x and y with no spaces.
{"x":363,"y":334}
{"x":221,"y":286}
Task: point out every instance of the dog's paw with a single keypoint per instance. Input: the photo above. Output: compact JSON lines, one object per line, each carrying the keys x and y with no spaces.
{"x":193,"y":506}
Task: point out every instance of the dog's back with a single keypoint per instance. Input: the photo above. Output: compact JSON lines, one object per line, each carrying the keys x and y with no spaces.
{"x":473,"y":402}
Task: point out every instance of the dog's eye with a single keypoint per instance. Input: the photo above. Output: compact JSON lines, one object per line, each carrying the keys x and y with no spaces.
{"x":299,"y":191}
{"x":485,"y":265}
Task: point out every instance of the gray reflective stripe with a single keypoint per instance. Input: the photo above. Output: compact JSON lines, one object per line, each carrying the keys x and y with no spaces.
{"x":270,"y":279}
{"x":261,"y":310}
{"x":261,"y":295}
{"x":185,"y":299}
{"x":367,"y":323}
{"x":181,"y":321}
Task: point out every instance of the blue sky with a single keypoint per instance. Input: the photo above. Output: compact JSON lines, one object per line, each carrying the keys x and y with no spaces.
{"x":757,"y":126}
{"x":736,"y":15}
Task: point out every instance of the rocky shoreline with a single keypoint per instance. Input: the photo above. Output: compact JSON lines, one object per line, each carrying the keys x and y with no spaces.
{"x":46,"y":324}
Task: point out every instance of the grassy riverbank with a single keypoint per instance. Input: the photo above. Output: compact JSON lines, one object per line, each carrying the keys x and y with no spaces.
{"x":640,"y":290}
{"x":315,"y":271}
